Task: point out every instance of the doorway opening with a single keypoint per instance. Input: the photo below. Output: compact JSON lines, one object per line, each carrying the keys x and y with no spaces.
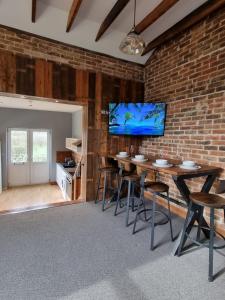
{"x":34,"y":134}
{"x":29,"y":156}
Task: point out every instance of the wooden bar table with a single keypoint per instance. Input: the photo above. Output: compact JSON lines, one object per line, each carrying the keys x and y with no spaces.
{"x":179,"y":176}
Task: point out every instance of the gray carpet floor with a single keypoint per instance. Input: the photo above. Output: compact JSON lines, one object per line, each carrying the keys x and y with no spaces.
{"x":78,"y":252}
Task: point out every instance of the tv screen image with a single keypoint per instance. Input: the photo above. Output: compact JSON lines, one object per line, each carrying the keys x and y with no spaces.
{"x":137,"y":118}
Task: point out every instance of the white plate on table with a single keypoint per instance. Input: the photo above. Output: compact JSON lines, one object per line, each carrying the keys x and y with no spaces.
{"x":189,"y":168}
{"x":162,"y":166}
{"x":139,"y":160}
{"x":121,"y":156}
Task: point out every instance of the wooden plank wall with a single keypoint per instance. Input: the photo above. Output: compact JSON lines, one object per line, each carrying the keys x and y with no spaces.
{"x":36,"y":77}
{"x":7,"y":72}
{"x":119,"y":90}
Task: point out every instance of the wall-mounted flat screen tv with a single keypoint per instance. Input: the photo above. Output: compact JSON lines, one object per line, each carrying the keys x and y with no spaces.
{"x":139,"y":119}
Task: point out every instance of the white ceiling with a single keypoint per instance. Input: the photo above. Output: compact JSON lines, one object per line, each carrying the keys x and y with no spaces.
{"x":52,"y":18}
{"x":26,"y":103}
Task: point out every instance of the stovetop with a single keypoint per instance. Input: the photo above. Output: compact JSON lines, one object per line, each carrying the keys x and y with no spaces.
{"x":65,"y":165}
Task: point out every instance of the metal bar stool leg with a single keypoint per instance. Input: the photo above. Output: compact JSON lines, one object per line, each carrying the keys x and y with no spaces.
{"x":132,"y":197}
{"x":143,"y":202}
{"x":118,"y":184}
{"x":128,"y":203}
{"x":104,"y":192}
{"x":211,"y":242}
{"x":144,"y":207}
{"x":170,"y":219}
{"x":153,"y":223}
{"x":184,"y":230}
{"x":98,"y":188}
{"x":201,"y":211}
{"x":118,"y":196}
{"x":138,"y":210}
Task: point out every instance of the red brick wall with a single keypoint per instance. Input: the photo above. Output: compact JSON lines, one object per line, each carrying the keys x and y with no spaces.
{"x":189,"y":74}
{"x":22,"y":43}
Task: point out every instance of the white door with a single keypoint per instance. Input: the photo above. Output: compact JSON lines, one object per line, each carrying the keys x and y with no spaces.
{"x":18,"y":158}
{"x":39,"y":162}
{"x":28,"y":156}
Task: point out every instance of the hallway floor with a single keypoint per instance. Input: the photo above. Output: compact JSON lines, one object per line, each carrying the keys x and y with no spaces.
{"x":28,"y":197}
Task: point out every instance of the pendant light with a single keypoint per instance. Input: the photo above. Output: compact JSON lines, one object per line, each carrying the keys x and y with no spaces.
{"x":132,"y":44}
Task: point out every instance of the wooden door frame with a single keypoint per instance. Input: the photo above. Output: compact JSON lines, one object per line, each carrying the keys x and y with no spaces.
{"x":83,"y":193}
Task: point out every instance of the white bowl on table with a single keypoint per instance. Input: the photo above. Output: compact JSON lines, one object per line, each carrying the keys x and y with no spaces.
{"x":139,"y":157}
{"x":123,"y":154}
{"x":161,"y":162}
{"x":188,"y":163}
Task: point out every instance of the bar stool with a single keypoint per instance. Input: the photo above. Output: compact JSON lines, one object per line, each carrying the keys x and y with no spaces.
{"x":127,"y":178}
{"x":107,"y":172}
{"x":212,"y":201}
{"x":156,"y":189}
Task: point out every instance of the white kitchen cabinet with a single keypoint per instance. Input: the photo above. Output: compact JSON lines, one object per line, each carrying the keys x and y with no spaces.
{"x":61,"y":179}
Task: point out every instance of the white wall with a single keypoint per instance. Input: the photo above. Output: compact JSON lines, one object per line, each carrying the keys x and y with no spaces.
{"x":0,"y":167}
{"x":77,"y":124}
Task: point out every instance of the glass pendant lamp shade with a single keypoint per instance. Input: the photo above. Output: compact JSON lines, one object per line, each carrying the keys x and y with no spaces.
{"x":132,"y":44}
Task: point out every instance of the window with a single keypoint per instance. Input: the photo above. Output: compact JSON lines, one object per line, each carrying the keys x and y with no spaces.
{"x":40,"y":146}
{"x":19,"y":146}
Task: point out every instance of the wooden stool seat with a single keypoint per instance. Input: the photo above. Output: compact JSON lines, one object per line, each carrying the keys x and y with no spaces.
{"x":156,"y":187}
{"x":108,"y":170}
{"x":132,"y":178}
{"x":126,"y":173}
{"x":209,"y":200}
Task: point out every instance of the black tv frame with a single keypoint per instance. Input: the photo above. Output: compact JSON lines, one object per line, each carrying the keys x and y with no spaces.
{"x":139,"y":135}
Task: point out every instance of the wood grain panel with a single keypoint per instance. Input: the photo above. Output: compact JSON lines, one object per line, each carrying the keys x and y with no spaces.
{"x":43,"y":78}
{"x":91,"y":114}
{"x":7,"y":72}
{"x":64,"y":82}
{"x":123,"y":89}
{"x":98,"y":101}
{"x":25,"y":75}
{"x":91,"y":190}
{"x":61,"y":155}
{"x":92,"y":85}
{"x":68,"y":88}
{"x":82,"y":84}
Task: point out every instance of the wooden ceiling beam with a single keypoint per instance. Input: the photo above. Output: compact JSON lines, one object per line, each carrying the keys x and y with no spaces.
{"x":194,"y":17}
{"x":112,"y":15}
{"x":73,"y":13}
{"x":154,"y":15}
{"x":33,"y":11}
